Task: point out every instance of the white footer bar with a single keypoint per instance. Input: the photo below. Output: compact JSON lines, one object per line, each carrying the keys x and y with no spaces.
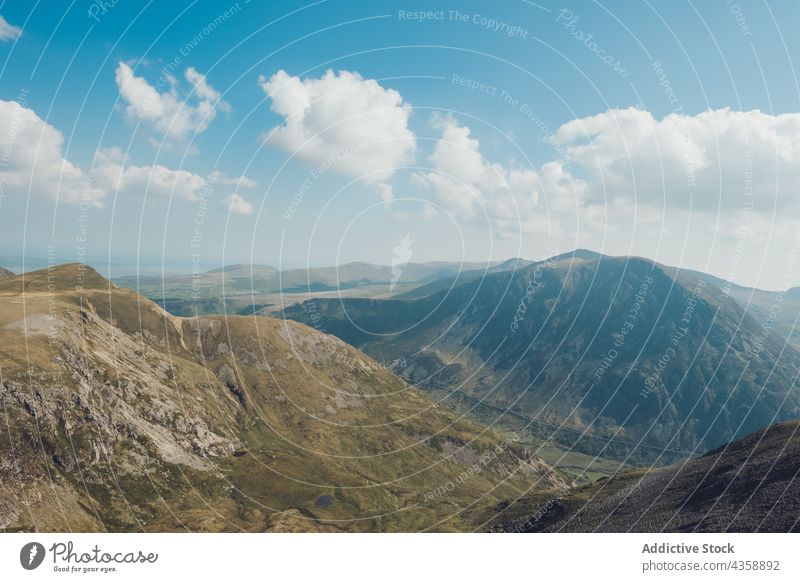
{"x":407,"y":557}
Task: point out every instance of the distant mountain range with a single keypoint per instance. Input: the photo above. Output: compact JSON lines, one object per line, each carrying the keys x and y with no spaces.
{"x":616,"y":347}
{"x":245,"y":289}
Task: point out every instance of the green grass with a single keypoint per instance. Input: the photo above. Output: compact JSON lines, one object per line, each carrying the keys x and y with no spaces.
{"x":122,"y":370}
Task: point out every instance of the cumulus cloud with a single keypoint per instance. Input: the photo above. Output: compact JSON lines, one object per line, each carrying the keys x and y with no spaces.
{"x":625,"y":163}
{"x":238,"y":205}
{"x":240,"y":182}
{"x":513,"y":199}
{"x":34,"y":162}
{"x":8,"y":32}
{"x":113,"y":172}
{"x":353,"y":124}
{"x":171,"y":113}
{"x":717,"y":160}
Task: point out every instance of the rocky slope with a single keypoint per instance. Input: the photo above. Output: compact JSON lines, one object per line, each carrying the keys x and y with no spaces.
{"x":749,"y":485}
{"x":120,"y":416}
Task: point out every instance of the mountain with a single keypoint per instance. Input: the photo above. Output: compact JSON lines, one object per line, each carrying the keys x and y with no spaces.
{"x":510,"y":265}
{"x":5,"y":274}
{"x":244,"y":289}
{"x":780,"y":309}
{"x":119,"y":416}
{"x":793,"y":294}
{"x":240,"y":270}
{"x":749,"y":485}
{"x":615,"y":347}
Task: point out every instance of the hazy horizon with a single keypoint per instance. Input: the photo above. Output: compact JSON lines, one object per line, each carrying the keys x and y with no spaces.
{"x":132,"y":267}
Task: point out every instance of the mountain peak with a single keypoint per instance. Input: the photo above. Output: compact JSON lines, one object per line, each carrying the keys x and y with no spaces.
{"x":67,"y":277}
{"x":584,"y":254}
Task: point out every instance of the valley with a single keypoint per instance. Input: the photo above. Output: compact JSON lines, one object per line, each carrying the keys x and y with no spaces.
{"x":521,"y":396}
{"x":122,"y":417}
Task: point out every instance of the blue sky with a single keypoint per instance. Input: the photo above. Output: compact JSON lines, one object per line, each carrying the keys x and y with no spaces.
{"x":512,"y":75}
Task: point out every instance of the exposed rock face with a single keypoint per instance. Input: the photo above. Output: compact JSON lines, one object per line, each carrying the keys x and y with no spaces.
{"x":121,"y":416}
{"x":749,"y":485}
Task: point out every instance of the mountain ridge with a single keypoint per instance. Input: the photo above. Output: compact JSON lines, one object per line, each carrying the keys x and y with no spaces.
{"x":567,"y":319}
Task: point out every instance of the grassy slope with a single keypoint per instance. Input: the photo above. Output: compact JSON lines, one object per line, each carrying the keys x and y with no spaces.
{"x":123,"y":417}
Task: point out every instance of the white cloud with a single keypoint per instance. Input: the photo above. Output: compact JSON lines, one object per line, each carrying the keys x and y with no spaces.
{"x":34,"y":162}
{"x":715,"y":160}
{"x":114,"y":173}
{"x":171,"y":113}
{"x":240,"y":182}
{"x":513,"y":199}
{"x":353,"y":124}
{"x":624,"y":165}
{"x":8,"y":32}
{"x":235,"y":203}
